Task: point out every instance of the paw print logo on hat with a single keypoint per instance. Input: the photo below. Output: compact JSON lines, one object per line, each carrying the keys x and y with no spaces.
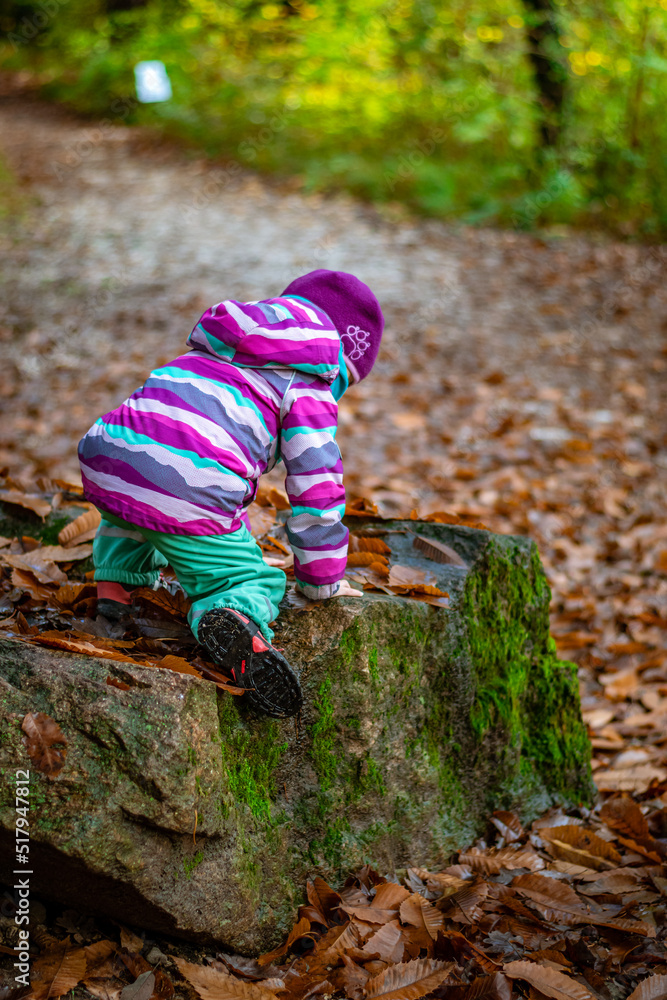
{"x":355,"y":342}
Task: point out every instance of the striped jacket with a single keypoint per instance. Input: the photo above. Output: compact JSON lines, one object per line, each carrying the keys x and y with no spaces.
{"x":184,"y":453}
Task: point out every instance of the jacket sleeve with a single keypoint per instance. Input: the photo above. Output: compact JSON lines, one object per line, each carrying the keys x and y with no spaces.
{"x":314,"y":485}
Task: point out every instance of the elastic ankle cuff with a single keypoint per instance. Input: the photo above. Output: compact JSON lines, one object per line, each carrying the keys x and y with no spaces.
{"x":233,"y":606}
{"x":127,"y":579}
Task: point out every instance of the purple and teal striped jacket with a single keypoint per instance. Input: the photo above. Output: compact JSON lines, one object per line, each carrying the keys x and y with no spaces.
{"x":184,"y":453}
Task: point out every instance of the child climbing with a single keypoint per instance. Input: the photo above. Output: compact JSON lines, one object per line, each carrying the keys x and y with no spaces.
{"x":173,"y":469}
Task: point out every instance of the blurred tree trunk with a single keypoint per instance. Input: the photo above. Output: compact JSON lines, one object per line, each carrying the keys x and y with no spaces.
{"x":546,"y":55}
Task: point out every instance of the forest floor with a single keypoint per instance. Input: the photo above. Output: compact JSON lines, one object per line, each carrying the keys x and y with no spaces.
{"x":521,"y":382}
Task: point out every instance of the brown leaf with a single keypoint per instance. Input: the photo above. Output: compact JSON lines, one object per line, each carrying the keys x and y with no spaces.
{"x":45,"y":572}
{"x":549,"y":982}
{"x":360,"y":507}
{"x":652,"y":988}
{"x":130,"y":940}
{"x":27,"y":581}
{"x":555,"y":900}
{"x":369,"y":914}
{"x":495,"y":987}
{"x":438,"y":551}
{"x":491,"y":861}
{"x":71,"y":593}
{"x":178,"y":664}
{"x":176,"y":605}
{"x":625,"y":816}
{"x":351,"y":979}
{"x":262,"y":519}
{"x":82,"y":529}
{"x":59,"y":640}
{"x":45,"y":743}
{"x":323,"y":898}
{"x":387,"y":942}
{"x":57,"y":973}
{"x":142,"y":987}
{"x":418,"y":912}
{"x":336,"y":942}
{"x":508,"y":825}
{"x":300,"y":929}
{"x":58,"y":553}
{"x":361,"y":543}
{"x":573,"y":843}
{"x":465,"y":905}
{"x":212,"y":984}
{"x":409,"y":576}
{"x":389,"y":896}
{"x":366,"y":559}
{"x":37,"y":504}
{"x":408,"y":980}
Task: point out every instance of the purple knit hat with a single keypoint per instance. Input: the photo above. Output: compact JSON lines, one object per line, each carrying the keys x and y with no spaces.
{"x":353,"y":310}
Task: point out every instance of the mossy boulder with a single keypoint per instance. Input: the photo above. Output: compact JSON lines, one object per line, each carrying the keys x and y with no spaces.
{"x":179,"y":811}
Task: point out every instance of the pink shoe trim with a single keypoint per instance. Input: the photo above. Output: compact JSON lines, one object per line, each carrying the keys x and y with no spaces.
{"x":107,"y":590}
{"x":259,"y":644}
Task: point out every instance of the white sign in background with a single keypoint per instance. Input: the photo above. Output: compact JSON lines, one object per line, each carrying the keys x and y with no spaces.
{"x":152,"y":82}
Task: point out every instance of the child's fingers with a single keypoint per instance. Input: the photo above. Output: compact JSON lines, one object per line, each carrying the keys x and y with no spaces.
{"x":346,"y":590}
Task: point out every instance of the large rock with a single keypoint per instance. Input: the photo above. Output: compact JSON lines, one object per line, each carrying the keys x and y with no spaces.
{"x":178,"y":811}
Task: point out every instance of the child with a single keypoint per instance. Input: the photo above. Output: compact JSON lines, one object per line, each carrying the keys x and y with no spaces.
{"x":174,"y":468}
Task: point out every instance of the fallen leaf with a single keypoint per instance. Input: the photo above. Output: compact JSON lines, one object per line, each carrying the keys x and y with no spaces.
{"x":625,"y":816}
{"x":438,"y":551}
{"x":409,"y":576}
{"x":45,"y":744}
{"x":82,"y":529}
{"x":130,"y":940}
{"x":325,"y":899}
{"x":176,"y":605}
{"x":37,"y":504}
{"x":212,"y":984}
{"x":495,"y":987}
{"x":491,"y":861}
{"x":57,"y":973}
{"x":387,"y":942}
{"x":573,"y":843}
{"x":549,"y":982}
{"x":389,"y":896}
{"x":652,"y":988}
{"x":408,"y":980}
{"x":301,"y":928}
{"x":555,"y":900}
{"x":262,"y":519}
{"x":142,"y":987}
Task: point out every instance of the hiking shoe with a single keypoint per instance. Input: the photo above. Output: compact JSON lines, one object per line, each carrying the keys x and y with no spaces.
{"x":113,"y":611}
{"x":114,"y":601}
{"x":237,"y":644}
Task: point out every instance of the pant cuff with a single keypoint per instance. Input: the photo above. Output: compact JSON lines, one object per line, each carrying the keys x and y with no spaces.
{"x":234,"y":606}
{"x":132,"y":579}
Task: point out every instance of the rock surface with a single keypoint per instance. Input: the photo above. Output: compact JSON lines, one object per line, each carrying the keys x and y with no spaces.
{"x":179,"y":811}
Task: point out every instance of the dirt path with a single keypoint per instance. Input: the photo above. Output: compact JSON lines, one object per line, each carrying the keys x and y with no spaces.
{"x":522,"y":381}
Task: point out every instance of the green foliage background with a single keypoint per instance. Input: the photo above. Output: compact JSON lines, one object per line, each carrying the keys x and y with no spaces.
{"x":430,"y":104}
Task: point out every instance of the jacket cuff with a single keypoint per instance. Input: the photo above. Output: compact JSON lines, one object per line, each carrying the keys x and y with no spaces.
{"x":318,"y":593}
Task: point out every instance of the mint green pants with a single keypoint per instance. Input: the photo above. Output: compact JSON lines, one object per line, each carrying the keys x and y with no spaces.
{"x":215,"y":571}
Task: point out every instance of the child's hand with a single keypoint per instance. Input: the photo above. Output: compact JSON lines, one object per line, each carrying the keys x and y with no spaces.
{"x":346,"y":590}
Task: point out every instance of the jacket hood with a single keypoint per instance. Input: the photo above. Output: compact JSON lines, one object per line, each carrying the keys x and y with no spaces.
{"x":285,"y":332}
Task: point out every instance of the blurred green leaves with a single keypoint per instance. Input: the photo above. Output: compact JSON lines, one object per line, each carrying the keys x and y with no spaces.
{"x":430,"y":104}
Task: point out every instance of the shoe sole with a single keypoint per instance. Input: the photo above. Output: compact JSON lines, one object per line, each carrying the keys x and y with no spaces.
{"x":271,"y":683}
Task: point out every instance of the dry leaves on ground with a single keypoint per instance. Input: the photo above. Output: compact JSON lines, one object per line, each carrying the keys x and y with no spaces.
{"x":512,"y":918}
